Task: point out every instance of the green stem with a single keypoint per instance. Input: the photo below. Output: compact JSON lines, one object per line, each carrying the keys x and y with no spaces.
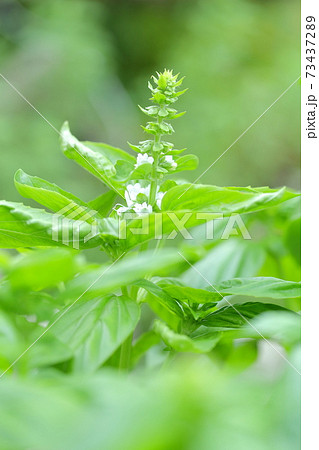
{"x":126,"y":347}
{"x":124,"y":291}
{"x":125,"y":353}
{"x":153,"y":188}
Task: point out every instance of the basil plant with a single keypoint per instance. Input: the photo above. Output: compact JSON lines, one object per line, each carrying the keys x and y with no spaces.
{"x":188,"y":267}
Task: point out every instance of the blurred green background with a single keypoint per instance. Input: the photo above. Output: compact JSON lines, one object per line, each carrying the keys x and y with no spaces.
{"x":89,"y":61}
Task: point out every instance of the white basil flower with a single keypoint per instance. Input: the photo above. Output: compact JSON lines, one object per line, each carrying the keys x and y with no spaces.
{"x":169,"y":160}
{"x":132,"y":191}
{"x":142,"y":208}
{"x":122,"y":209}
{"x":143,"y":158}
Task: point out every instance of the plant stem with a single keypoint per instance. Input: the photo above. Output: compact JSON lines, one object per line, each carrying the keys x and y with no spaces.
{"x":153,"y":188}
{"x":126,"y":347}
{"x":125,"y":354}
{"x":124,"y":291}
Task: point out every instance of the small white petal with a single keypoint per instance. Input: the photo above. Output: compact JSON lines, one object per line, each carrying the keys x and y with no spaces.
{"x":142,"y":208}
{"x":143,"y":158}
{"x":169,"y":160}
{"x":122,"y":209}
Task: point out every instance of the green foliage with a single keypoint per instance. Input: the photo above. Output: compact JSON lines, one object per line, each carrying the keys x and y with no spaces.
{"x":199,"y":296}
{"x":45,"y":193}
{"x":23,"y":226}
{"x":94,"y":329}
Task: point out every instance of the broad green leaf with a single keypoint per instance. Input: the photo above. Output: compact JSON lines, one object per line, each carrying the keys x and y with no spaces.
{"x":186,"y":162}
{"x":184,"y":208}
{"x":49,"y":195}
{"x":115,"y":155}
{"x":134,"y":229}
{"x":162,"y":296}
{"x":98,"y":159}
{"x":95,"y":329}
{"x":161,"y":303}
{"x":226,"y":200}
{"x":188,"y":294}
{"x":123,"y":272}
{"x":10,"y":341}
{"x":103,"y":203}
{"x":40,"y":269}
{"x":124,"y":169}
{"x":236,"y":316}
{"x":23,"y":226}
{"x":41,"y":305}
{"x":293,"y":239}
{"x":142,"y":172}
{"x":49,"y":350}
{"x":257,"y":287}
{"x":229,"y":259}
{"x":138,"y":229}
{"x":290,"y":210}
{"x":93,"y":161}
{"x":184,"y":343}
{"x":282,"y":326}
{"x":142,"y":344}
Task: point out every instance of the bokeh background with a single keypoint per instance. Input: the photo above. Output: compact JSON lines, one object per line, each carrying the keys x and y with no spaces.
{"x":89,"y":61}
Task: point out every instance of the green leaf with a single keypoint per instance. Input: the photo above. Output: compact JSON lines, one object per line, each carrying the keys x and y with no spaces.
{"x":161,"y":295}
{"x":188,"y":294}
{"x":142,"y":172}
{"x":282,"y":326}
{"x":48,"y":350}
{"x":187,"y":162}
{"x":198,"y":204}
{"x":160,"y":303}
{"x":236,"y":316}
{"x":155,"y":225}
{"x":257,"y":287}
{"x":122,"y":161}
{"x":108,"y":278}
{"x":46,"y":193}
{"x":26,"y":302}
{"x":103,"y":203}
{"x":22,"y":226}
{"x":93,"y":161}
{"x":10,"y":341}
{"x":95,"y":329}
{"x":99,"y":159}
{"x":293,"y":239}
{"x":41,"y":268}
{"x":183,"y":343}
{"x":230,"y":259}
{"x":226,"y":200}
{"x":142,"y":344}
